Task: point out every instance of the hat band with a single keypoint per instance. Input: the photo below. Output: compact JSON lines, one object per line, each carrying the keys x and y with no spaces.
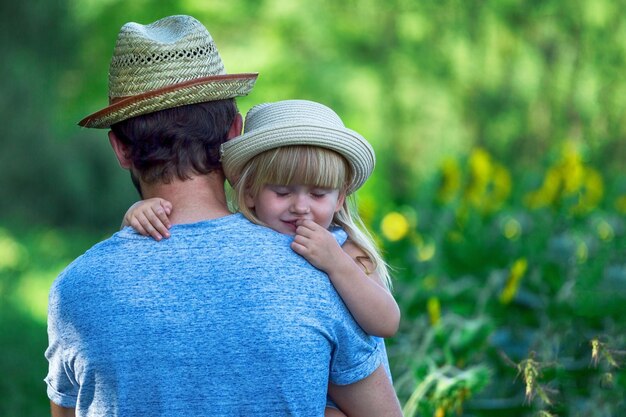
{"x":113,"y":101}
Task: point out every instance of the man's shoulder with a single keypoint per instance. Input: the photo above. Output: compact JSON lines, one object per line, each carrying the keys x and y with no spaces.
{"x":79,"y":271}
{"x":236,"y":229}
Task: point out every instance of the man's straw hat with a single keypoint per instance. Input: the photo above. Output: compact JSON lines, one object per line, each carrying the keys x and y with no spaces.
{"x":297,"y":122}
{"x":169,"y":63}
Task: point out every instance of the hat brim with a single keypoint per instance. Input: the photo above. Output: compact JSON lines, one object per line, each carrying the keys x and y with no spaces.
{"x":210,"y":88}
{"x":358,"y":152}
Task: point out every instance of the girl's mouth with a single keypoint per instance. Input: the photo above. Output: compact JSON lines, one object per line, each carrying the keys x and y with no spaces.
{"x":292,"y":224}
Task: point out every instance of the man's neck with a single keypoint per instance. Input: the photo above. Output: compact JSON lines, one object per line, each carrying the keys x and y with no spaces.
{"x":200,"y":198}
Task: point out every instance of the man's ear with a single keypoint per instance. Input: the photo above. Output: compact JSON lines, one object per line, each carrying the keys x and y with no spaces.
{"x":235,"y":127}
{"x":121,"y":151}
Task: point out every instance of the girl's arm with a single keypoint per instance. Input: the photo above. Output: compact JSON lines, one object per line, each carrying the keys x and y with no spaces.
{"x":150,"y":217}
{"x":369,"y":301}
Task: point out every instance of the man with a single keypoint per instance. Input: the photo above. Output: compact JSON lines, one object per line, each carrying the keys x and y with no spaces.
{"x":208,"y":322}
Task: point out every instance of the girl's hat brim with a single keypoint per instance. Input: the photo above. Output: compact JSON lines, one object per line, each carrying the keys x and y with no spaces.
{"x":353,"y":147}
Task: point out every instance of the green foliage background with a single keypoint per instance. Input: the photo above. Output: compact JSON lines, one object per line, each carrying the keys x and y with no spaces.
{"x":499,"y":194}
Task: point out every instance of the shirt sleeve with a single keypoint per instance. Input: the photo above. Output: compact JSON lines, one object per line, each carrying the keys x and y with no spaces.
{"x":355,"y":356}
{"x":62,"y":387}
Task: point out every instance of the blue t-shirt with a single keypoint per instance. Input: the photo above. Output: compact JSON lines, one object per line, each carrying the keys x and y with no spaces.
{"x":221,"y":319}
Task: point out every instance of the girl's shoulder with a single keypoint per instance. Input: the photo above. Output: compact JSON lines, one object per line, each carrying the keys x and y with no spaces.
{"x":351,"y":248}
{"x":359,"y":256}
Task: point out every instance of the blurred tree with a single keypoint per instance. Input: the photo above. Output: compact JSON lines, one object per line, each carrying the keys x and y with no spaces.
{"x":44,"y":178}
{"x":421,"y":80}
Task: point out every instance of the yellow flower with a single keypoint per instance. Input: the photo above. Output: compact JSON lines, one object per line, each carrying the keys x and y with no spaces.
{"x":518,"y":269}
{"x":572,"y":169}
{"x":501,"y":181}
{"x":490,"y":183}
{"x":548,"y":194}
{"x":433,"y":306}
{"x":480,"y":165}
{"x":591,"y":192}
{"x":450,"y":180}
{"x":500,"y":188}
{"x":394,"y":226}
{"x":569,"y":180}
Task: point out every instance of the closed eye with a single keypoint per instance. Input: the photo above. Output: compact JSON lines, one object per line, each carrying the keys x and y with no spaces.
{"x":280,"y":191}
{"x":320,"y":192}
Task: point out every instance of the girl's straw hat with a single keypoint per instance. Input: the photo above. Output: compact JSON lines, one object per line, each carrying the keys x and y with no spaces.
{"x":169,"y":63}
{"x":297,"y":122}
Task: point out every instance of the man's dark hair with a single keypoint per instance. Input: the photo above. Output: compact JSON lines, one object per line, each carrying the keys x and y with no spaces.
{"x":177,"y":142}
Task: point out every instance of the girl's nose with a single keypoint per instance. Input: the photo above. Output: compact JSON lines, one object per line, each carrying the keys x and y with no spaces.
{"x":300,"y":205}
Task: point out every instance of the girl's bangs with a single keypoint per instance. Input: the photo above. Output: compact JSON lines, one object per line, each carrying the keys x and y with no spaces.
{"x":304,"y":165}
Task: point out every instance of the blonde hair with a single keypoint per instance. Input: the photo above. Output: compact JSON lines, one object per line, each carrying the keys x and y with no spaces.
{"x":313,"y":166}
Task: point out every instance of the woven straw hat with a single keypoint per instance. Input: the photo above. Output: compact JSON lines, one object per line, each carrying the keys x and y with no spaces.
{"x":297,"y":122}
{"x":169,"y":63}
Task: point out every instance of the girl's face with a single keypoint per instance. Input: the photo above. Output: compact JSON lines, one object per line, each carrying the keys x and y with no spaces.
{"x":281,"y":206}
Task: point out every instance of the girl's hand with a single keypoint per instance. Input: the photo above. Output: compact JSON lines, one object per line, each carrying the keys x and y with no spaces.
{"x":367,"y":298}
{"x":150,"y":217}
{"x":316,"y":244}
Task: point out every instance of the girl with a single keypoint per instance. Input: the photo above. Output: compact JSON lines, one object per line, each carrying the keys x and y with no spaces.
{"x":293,"y":170}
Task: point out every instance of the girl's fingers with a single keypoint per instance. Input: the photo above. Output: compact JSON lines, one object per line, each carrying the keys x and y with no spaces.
{"x":298,"y":248}
{"x":303,"y":231}
{"x":307,"y":228}
{"x":309,"y":224}
{"x":149,"y":228}
{"x":135,"y":224}
{"x":167,"y":207}
{"x":150,"y":217}
{"x":163,"y":214}
{"x":159,"y":221}
{"x":315,"y":233}
{"x":300,"y":240}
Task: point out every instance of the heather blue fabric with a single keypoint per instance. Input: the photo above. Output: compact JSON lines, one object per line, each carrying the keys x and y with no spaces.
{"x":221,"y":319}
